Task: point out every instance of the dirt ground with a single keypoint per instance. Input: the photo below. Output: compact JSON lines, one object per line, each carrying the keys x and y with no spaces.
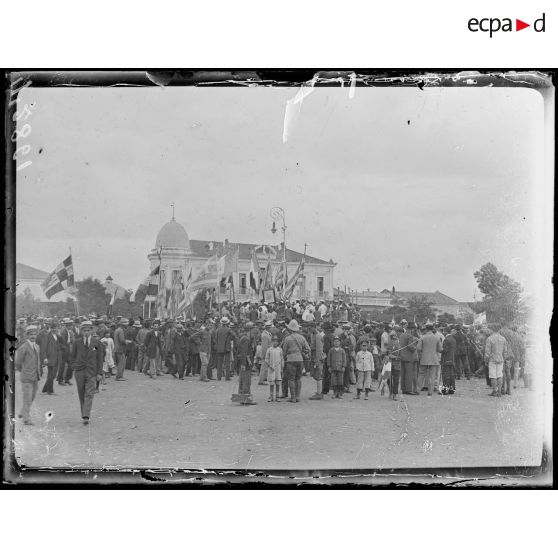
{"x":194,"y":425}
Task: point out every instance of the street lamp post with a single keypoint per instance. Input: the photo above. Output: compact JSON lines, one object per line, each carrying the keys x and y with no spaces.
{"x":278,"y":214}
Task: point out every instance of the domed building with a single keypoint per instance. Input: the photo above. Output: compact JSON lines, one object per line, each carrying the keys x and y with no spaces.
{"x":177,"y":254}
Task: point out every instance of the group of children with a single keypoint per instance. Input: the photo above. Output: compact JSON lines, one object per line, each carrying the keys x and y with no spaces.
{"x":367,"y":361}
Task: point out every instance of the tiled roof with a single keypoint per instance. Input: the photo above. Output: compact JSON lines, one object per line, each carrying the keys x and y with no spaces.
{"x":207,"y":248}
{"x":435,"y":298}
{"x":30,"y":273}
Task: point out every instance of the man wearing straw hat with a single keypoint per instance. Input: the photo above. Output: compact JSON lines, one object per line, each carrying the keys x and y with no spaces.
{"x":28,"y":364}
{"x":87,"y":363}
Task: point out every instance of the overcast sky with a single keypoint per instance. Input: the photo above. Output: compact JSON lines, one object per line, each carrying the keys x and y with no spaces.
{"x":403,"y":187}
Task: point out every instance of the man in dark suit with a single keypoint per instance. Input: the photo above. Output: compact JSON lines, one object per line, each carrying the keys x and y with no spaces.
{"x":50,"y":355}
{"x":154,"y":346}
{"x":87,"y":363}
{"x":65,"y":340}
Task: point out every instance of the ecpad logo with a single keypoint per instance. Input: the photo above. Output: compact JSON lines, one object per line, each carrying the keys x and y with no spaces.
{"x":493,"y":25}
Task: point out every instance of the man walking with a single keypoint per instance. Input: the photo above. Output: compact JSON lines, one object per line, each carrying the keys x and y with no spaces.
{"x":50,"y":356}
{"x":65,"y":340}
{"x":28,"y":364}
{"x":429,"y":348}
{"x":87,"y":363}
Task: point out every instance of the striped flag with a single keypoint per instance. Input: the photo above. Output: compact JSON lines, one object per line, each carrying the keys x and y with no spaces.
{"x":187,"y":295}
{"x":61,"y":279}
{"x":254,"y":272}
{"x":267,"y":278}
{"x":209,"y":275}
{"x":151,"y":285}
{"x":292,"y":282}
{"x":280,"y":277}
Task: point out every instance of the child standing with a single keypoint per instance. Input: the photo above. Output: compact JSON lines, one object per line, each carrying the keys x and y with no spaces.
{"x":364,"y":367}
{"x":275,"y":365}
{"x":108,"y":361}
{"x":337,"y":362}
{"x":377,"y":361}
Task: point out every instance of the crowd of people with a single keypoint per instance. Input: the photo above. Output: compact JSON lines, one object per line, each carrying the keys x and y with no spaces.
{"x":276,"y":345}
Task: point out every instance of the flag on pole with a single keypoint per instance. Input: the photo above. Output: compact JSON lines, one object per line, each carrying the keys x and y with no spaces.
{"x":254,"y":272}
{"x":61,"y":279}
{"x":149,"y":287}
{"x":267,"y":280}
{"x":186,"y":296}
{"x":292,"y":282}
{"x":231,"y":261}
{"x":280,"y":277}
{"x":209,"y":275}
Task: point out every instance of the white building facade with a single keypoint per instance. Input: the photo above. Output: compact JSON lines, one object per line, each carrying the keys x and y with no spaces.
{"x":176,"y":253}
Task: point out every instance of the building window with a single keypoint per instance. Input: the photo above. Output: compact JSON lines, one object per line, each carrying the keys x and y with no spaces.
{"x":320,"y":286}
{"x":242,"y":281}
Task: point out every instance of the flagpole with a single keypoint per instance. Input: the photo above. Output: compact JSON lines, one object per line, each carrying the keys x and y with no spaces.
{"x":76,"y":302}
{"x":278,"y":213}
{"x":159,"y":253}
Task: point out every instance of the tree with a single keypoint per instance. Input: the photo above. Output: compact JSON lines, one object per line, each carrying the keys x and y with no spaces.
{"x":420,"y":308}
{"x":395,"y":312}
{"x":447,"y":318}
{"x":63,"y":307}
{"x":92,"y":297}
{"x":502,"y":295}
{"x":123,"y":307}
{"x":27,"y":303}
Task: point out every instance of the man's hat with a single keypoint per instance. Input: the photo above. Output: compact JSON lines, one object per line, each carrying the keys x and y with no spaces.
{"x":275,"y":338}
{"x":225,"y":320}
{"x":429,"y":326}
{"x":458,"y":327}
{"x":336,"y":337}
{"x":293,"y":326}
{"x":87,"y":323}
{"x":327,"y":325}
{"x":30,"y":328}
{"x":137,"y":323}
{"x":124,"y":321}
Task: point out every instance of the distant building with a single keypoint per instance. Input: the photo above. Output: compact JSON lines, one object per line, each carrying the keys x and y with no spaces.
{"x":442,"y":303}
{"x":176,"y":252}
{"x":28,"y":277}
{"x":371,"y":300}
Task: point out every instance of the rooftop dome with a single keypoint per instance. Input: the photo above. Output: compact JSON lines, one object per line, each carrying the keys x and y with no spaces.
{"x":173,"y":235}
